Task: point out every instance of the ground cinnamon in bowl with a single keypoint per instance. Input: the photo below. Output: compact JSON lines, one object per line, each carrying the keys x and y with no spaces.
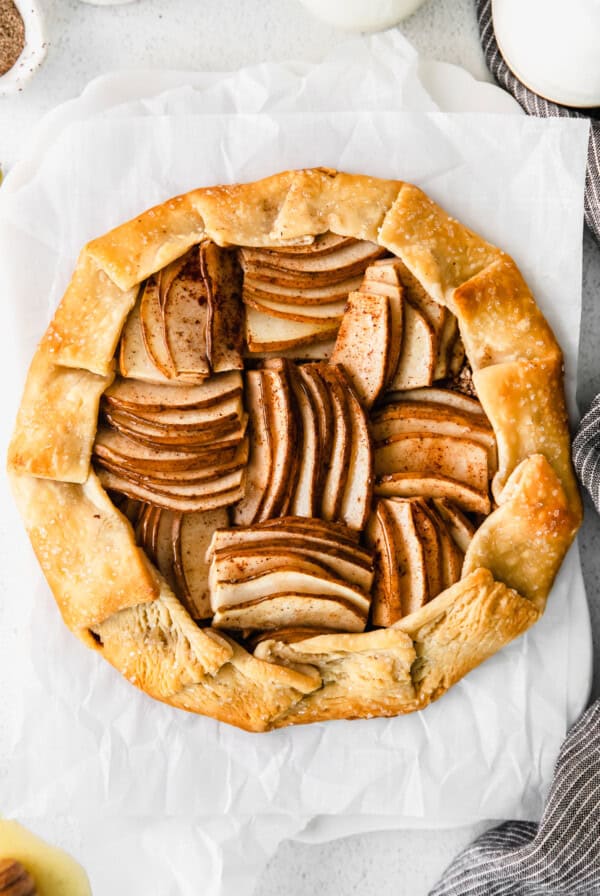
{"x":12,"y":35}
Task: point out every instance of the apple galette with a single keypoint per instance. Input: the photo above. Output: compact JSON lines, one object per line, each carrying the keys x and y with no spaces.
{"x":296,"y":450}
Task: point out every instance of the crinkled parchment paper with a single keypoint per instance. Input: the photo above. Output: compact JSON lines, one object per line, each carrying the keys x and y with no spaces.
{"x":157,"y":801}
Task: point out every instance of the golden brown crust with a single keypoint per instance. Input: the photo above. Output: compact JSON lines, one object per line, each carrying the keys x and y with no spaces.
{"x":322,"y":199}
{"x":525,"y":403}
{"x":57,"y":420}
{"x":111,"y":596}
{"x":461,"y":628}
{"x":363,"y":675}
{"x":437,"y":249}
{"x":157,"y":645}
{"x":161,"y":650}
{"x":524,"y":541}
{"x":499,"y":319}
{"x":131,"y":252}
{"x":85,"y":547}
{"x":244,"y":214}
{"x":87,"y":325}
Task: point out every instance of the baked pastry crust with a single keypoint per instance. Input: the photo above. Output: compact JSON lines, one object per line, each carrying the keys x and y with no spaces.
{"x":117,"y":603}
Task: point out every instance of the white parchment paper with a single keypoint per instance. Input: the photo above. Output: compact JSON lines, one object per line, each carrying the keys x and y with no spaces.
{"x":180,"y":798}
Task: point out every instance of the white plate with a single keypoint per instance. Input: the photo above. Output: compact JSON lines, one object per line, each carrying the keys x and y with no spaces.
{"x":455,"y":90}
{"x":33,"y":53}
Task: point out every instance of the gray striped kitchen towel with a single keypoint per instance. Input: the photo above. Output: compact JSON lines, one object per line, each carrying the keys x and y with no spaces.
{"x":536,"y":105}
{"x":558,"y":857}
{"x":586,"y":451}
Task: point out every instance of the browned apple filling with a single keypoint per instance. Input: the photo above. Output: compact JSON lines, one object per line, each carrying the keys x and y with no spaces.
{"x":295,"y":436}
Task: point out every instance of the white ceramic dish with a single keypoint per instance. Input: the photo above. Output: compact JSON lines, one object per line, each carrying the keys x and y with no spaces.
{"x":455,"y":90}
{"x":33,"y":52}
{"x":362,"y":15}
{"x":107,"y":2}
{"x":552,"y":47}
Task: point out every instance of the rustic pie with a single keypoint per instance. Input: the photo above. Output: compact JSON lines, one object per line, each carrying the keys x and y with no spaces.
{"x":296,"y":450}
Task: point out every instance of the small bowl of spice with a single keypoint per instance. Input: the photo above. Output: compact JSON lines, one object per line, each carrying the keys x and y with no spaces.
{"x":22,"y":43}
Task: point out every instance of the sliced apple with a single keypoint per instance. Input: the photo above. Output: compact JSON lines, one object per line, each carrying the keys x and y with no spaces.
{"x":382,"y":279}
{"x":299,"y":281}
{"x":321,"y":268}
{"x":152,"y":532}
{"x":336,"y":478}
{"x":240,"y":565}
{"x":363,"y":342}
{"x":228,"y":410}
{"x":167,"y":275}
{"x":460,"y":527}
{"x":456,"y":458}
{"x":185,"y":483}
{"x":395,"y":420}
{"x":337,"y":291}
{"x":418,"y":353}
{"x":185,"y":317}
{"x":289,"y":608}
{"x":273,"y":552}
{"x":312,"y":526}
{"x":153,"y":333}
{"x":186,"y":488}
{"x":114,"y":446}
{"x":320,"y":351}
{"x":149,"y":424}
{"x":289,"y":635}
{"x":305,"y":495}
{"x":131,"y":509}
{"x":386,"y":603}
{"x":267,"y":333}
{"x":356,"y":502}
{"x":451,"y":556}
{"x":319,"y":245}
{"x":301,"y":578}
{"x":200,"y":488}
{"x":330,"y":311}
{"x":418,"y":296}
{"x":457,"y":400}
{"x":163,"y":547}
{"x":323,"y":410}
{"x":410,"y":557}
{"x":408,"y":485}
{"x":143,"y":522}
{"x":224,"y":331}
{"x":283,"y":428}
{"x":331,"y":547}
{"x":427,"y":532}
{"x":133,"y":489}
{"x":145,"y":396}
{"x":232,"y":430}
{"x":349,"y":255}
{"x":206,"y":471}
{"x":134,"y":360}
{"x":260,"y":464}
{"x":456,"y":357}
{"x":446,"y":339}
{"x":190,"y":539}
{"x":409,"y":410}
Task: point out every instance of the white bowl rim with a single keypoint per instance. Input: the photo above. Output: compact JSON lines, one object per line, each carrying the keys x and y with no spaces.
{"x":34,"y":51}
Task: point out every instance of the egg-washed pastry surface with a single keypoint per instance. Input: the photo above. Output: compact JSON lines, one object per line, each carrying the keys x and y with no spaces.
{"x":296,"y":450}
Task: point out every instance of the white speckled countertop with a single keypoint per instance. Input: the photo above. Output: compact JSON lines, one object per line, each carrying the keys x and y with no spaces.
{"x":86,"y":41}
